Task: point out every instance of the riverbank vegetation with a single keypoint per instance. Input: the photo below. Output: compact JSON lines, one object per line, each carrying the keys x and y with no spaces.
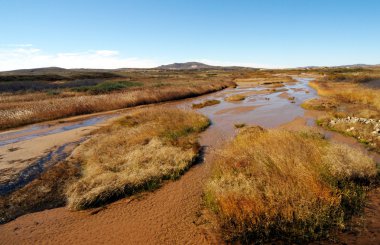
{"x":55,"y":94}
{"x":17,"y":114}
{"x":352,"y":102}
{"x":135,"y":153}
{"x":273,"y":185}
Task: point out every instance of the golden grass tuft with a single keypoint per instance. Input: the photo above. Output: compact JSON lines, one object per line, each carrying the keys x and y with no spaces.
{"x":346,"y":95}
{"x":205,"y":103}
{"x":348,"y":92}
{"x":240,"y":125}
{"x":285,"y":185}
{"x":319,"y":104}
{"x":135,"y":153}
{"x":237,"y":97}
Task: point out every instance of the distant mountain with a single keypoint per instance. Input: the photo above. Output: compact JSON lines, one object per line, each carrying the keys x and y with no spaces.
{"x":65,"y":72}
{"x":199,"y":66}
{"x":357,"y":66}
{"x":342,"y":66}
{"x":185,"y":66}
{"x":36,"y":71}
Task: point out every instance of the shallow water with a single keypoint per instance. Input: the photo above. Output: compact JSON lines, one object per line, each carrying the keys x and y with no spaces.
{"x":36,"y":131}
{"x":260,"y":107}
{"x":39,"y":166}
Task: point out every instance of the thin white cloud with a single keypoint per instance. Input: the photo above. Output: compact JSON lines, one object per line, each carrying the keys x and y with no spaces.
{"x":25,"y":56}
{"x":20,"y":45}
{"x":107,"y":52}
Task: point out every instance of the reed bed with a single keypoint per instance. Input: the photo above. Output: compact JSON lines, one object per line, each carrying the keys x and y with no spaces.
{"x":15,"y":114}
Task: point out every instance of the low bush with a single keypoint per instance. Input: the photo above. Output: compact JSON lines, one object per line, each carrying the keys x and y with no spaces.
{"x":106,"y":87}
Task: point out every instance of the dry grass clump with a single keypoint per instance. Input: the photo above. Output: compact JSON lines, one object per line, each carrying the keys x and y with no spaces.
{"x":275,"y":85}
{"x":205,"y":103}
{"x":16,"y":114}
{"x":346,"y":92}
{"x":345,"y":162}
{"x":280,"y":185}
{"x":240,"y":125}
{"x":319,"y":104}
{"x":266,"y":78}
{"x":345,"y":96}
{"x":135,"y":153}
{"x":359,"y":77}
{"x":236,"y":97}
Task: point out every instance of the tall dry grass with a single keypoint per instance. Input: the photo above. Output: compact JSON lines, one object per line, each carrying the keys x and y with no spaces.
{"x":283,"y":185}
{"x":15,"y":114}
{"x":348,"y":95}
{"x":135,"y":153}
{"x":348,"y":92}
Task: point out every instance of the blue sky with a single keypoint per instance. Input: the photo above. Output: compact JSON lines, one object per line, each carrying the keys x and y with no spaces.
{"x":146,"y":33}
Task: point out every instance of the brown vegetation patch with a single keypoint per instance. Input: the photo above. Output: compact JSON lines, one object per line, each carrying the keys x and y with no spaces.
{"x":365,"y":130}
{"x":17,"y":114}
{"x":290,"y":186}
{"x":345,"y":92}
{"x":234,"y":98}
{"x":205,"y":103}
{"x":346,"y":96}
{"x":319,"y":104}
{"x":136,"y":153}
{"x":239,"y":125}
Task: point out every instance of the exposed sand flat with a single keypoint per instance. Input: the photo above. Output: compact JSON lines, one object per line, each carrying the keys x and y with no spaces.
{"x":236,"y":110}
{"x":16,"y":156}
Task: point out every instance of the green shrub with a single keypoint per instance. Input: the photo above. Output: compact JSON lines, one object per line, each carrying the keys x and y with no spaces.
{"x":108,"y":86}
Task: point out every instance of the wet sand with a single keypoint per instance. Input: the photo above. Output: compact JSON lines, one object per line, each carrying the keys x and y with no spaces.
{"x":23,"y":148}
